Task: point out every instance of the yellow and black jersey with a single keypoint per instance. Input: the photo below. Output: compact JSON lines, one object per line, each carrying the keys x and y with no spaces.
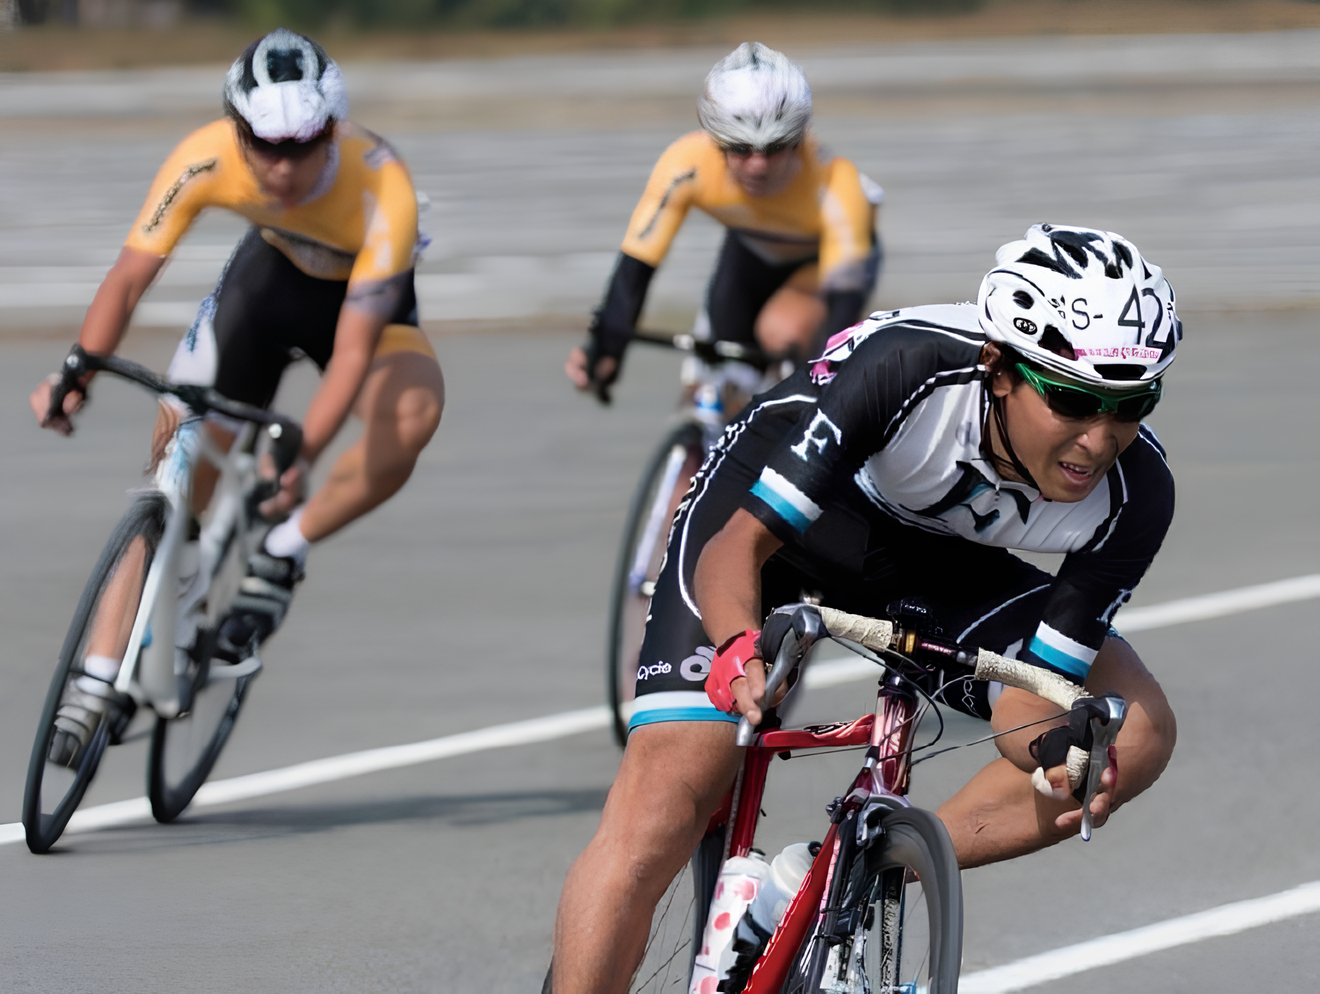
{"x":358,"y":224}
{"x":825,"y":212}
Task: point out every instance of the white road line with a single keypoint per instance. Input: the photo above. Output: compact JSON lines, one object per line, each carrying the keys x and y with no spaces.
{"x":554,"y":726}
{"x":1228,"y":919}
{"x":824,"y":673}
{"x":1140,"y":619}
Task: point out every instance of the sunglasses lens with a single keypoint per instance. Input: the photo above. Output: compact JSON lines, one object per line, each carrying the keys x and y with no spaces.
{"x":1136,"y":408}
{"x":1072,"y":403}
{"x":1075,"y":402}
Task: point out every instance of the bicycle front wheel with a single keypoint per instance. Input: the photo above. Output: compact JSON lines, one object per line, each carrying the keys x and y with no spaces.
{"x":661,"y":489}
{"x":61,"y":769}
{"x":901,"y":927}
{"x":184,"y":749}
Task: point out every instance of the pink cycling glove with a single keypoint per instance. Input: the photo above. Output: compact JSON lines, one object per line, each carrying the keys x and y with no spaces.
{"x":730,"y":663}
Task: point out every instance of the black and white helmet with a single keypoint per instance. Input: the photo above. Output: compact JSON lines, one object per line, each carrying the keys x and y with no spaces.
{"x":1084,"y":303}
{"x":755,"y":97}
{"x":285,"y":88}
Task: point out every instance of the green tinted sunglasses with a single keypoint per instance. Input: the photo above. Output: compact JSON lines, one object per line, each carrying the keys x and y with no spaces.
{"x":1073,"y":401}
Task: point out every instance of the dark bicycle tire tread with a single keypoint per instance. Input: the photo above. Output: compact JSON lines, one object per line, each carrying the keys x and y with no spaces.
{"x":146,"y":515}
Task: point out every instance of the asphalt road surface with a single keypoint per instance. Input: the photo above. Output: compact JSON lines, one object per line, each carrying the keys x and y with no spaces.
{"x":477,"y":596}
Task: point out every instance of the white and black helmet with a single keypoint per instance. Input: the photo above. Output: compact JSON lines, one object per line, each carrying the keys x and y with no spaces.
{"x":1084,"y":303}
{"x":285,"y":88}
{"x":755,"y":97}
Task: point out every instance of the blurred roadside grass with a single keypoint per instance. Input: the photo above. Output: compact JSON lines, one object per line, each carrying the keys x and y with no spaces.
{"x":431,"y":29}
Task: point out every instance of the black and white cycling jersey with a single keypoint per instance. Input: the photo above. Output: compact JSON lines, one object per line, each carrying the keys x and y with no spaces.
{"x":891,"y":432}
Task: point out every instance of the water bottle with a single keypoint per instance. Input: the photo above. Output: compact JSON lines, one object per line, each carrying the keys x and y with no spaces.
{"x":750,"y":899}
{"x":787,"y":872}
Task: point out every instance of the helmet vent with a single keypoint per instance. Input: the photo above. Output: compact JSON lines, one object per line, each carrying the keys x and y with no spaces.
{"x":284,"y":65}
{"x":1120,"y":371}
{"x":1053,"y":341}
{"x":1035,"y":257}
{"x":1023,"y":299}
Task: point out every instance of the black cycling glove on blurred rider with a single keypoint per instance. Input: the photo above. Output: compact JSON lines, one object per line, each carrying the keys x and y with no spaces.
{"x":613,"y":322}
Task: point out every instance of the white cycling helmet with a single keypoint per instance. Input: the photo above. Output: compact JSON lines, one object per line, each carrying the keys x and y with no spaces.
{"x":1084,"y":303}
{"x":285,"y":88}
{"x":755,"y":97}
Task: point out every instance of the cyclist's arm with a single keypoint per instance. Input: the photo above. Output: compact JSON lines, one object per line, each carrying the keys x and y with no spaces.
{"x":849,"y":247}
{"x":728,"y":590}
{"x":382,"y":274}
{"x":613,"y":322}
{"x":356,"y":337}
{"x":104,"y":324}
{"x":655,"y":221}
{"x":1095,"y":581}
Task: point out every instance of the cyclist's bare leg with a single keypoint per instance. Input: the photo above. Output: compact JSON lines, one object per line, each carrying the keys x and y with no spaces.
{"x":999,"y":814}
{"x":118,"y":607}
{"x":673,"y":777}
{"x":400,"y":403}
{"x":788,"y":321}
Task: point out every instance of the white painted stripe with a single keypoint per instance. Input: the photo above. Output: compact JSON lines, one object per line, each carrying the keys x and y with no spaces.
{"x":353,"y":764}
{"x":823,"y":673}
{"x":1139,"y":619}
{"x":1228,"y":919}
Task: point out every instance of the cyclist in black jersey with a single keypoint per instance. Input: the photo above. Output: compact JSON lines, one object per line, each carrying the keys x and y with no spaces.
{"x":905,"y":462}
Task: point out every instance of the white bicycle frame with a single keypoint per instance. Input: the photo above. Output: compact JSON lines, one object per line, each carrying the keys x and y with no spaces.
{"x":156,"y":659}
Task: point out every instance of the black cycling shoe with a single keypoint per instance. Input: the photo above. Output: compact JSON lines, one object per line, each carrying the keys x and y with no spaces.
{"x":262,"y":602}
{"x":87,"y":702}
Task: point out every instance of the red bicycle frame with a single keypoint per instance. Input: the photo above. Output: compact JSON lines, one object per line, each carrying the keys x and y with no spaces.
{"x":888,"y":734}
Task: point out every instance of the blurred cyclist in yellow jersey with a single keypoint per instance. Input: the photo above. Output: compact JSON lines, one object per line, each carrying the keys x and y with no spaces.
{"x":326,"y":272}
{"x":801,"y":255}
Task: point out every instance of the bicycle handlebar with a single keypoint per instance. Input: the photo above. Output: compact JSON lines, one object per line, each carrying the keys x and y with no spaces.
{"x":791,"y":631}
{"x":713,"y":352}
{"x":878,"y":636}
{"x":285,"y":433}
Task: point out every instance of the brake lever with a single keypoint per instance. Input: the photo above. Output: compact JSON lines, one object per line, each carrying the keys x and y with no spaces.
{"x":71,"y":369}
{"x":806,"y":630}
{"x":1104,"y":731}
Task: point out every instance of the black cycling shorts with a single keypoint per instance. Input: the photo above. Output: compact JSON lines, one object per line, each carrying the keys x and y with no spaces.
{"x":264,"y":314}
{"x":742,"y":282}
{"x":980,"y":595}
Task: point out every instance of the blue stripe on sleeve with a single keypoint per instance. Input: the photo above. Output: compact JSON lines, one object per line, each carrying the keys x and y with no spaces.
{"x":795,"y":519}
{"x":1069,"y":666}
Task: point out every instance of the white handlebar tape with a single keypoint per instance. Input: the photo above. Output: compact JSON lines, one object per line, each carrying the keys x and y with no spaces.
{"x":1024,"y":676}
{"x":1076,"y":764}
{"x":870,"y":632}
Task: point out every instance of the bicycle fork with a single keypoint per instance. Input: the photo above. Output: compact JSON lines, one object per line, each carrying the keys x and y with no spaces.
{"x":151,"y":655}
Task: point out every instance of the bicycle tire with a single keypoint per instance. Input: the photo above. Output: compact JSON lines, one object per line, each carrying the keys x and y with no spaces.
{"x":631,"y":589}
{"x":184,"y":749}
{"x":679,"y":922}
{"x":908,"y":920}
{"x":52,"y":791}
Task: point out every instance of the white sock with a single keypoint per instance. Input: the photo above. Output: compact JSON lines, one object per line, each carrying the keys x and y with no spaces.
{"x":287,"y":539}
{"x":102,"y":667}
